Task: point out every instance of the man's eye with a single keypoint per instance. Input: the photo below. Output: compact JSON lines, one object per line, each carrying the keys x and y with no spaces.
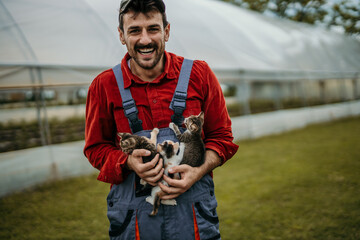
{"x":134,"y":31}
{"x":153,"y":29}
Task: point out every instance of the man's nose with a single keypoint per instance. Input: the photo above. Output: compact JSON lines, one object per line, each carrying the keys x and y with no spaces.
{"x":145,"y":37}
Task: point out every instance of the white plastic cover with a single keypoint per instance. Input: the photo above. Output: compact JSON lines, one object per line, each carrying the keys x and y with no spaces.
{"x":72,"y":40}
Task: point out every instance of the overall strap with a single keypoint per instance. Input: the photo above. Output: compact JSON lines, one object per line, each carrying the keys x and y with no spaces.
{"x":130,"y":109}
{"x":178,"y":103}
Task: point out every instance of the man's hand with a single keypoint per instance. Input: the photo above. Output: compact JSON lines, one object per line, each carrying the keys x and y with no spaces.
{"x":149,"y":172}
{"x":189,"y":175}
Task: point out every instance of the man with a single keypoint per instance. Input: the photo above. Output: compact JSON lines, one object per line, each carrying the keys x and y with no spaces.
{"x":139,"y":96}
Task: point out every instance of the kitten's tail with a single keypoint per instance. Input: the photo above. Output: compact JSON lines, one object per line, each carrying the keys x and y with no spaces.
{"x":157,"y":201}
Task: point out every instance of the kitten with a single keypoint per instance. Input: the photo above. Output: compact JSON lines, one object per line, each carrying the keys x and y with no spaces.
{"x":194,"y":146}
{"x":128,"y":143}
{"x":190,"y":150}
{"x":172,"y":153}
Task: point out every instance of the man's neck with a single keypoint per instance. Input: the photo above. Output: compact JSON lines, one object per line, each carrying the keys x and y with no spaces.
{"x":147,"y":75}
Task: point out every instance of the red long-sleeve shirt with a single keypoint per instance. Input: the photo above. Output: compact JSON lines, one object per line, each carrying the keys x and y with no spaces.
{"x":105,"y":116}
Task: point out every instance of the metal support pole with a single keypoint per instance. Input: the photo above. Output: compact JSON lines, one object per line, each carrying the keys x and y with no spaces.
{"x":243,"y":93}
{"x":355,"y":83}
{"x":38,"y":108}
{"x":277,"y":96}
{"x":43,"y":105}
{"x":322,"y":87}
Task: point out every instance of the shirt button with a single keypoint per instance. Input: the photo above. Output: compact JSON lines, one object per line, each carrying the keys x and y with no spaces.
{"x":154,"y":101}
{"x":111,"y":204}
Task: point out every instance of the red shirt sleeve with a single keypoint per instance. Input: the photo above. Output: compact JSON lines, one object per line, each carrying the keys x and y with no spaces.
{"x":217,"y":124}
{"x":100,"y":136}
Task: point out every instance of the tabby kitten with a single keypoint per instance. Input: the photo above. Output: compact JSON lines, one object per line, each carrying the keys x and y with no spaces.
{"x":194,"y":146}
{"x":128,"y":143}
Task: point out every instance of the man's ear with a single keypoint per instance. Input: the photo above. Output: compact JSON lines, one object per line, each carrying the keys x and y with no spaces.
{"x":167,"y":32}
{"x":122,"y":36}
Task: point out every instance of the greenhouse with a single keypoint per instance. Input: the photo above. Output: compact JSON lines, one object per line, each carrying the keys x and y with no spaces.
{"x":50,"y":51}
{"x":69,"y":42}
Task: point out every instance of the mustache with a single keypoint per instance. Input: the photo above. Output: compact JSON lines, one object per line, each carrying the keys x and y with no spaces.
{"x":150,"y":45}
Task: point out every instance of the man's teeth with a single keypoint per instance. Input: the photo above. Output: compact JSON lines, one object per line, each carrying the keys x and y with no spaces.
{"x":146,"y":50}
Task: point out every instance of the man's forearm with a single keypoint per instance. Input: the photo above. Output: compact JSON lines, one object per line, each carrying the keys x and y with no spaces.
{"x":212,"y":161}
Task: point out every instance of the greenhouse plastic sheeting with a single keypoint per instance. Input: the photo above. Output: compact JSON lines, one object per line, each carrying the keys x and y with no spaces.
{"x":50,"y":41}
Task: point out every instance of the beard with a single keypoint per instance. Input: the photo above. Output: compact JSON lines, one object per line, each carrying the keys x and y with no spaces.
{"x":151,"y":62}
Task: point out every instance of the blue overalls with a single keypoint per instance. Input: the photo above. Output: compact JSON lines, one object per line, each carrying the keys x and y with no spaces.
{"x":194,"y":215}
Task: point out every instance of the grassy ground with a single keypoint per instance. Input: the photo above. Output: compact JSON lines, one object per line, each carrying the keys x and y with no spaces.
{"x":300,"y":185}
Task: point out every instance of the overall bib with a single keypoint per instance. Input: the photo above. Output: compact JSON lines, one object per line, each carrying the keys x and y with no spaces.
{"x":194,"y":216}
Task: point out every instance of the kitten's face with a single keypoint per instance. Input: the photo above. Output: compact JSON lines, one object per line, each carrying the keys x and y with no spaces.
{"x":127,"y":142}
{"x":168,"y":148}
{"x":194,"y":123}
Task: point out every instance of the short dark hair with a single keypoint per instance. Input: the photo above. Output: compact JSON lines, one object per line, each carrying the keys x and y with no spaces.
{"x":141,"y":6}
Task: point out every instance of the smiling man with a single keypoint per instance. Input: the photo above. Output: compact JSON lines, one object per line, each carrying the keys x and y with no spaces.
{"x":145,"y":37}
{"x":150,"y":89}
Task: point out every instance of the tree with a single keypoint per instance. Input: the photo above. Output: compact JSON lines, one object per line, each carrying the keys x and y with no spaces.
{"x":308,"y":11}
{"x":345,"y":14}
{"x":258,"y":5}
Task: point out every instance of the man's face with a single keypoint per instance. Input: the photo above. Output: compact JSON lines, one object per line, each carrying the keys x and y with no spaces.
{"x":145,"y":37}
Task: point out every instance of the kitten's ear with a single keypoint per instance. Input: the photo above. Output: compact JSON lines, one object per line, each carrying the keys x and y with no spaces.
{"x":120,"y":135}
{"x":201,"y":116}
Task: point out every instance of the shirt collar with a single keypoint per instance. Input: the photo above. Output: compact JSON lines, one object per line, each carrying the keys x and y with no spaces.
{"x":130,"y":78}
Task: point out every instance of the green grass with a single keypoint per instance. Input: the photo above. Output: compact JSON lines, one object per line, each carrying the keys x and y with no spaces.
{"x":300,"y":185}
{"x":69,"y":209}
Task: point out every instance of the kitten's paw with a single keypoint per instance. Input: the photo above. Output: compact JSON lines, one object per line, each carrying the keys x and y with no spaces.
{"x":143,"y":182}
{"x":172,"y":126}
{"x":171,"y":202}
{"x":150,"y":200}
{"x":156,"y":131}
